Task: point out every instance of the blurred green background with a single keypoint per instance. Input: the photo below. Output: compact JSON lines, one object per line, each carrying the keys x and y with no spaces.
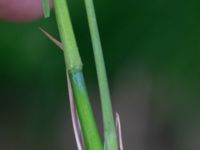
{"x":152,"y":56}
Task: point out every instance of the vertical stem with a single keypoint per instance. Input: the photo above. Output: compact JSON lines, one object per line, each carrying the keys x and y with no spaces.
{"x":71,"y":53}
{"x":89,"y":129}
{"x":108,"y":119}
{"x":74,"y":68}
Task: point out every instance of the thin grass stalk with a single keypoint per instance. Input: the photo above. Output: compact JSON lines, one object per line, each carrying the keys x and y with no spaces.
{"x":108,"y":117}
{"x":74,"y":69}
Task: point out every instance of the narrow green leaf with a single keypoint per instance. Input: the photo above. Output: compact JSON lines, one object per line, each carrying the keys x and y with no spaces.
{"x":46,"y":9}
{"x":108,"y":118}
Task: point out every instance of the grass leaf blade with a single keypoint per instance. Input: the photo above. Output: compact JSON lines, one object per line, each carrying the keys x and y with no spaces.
{"x":108,"y":117}
{"x":46,"y":8}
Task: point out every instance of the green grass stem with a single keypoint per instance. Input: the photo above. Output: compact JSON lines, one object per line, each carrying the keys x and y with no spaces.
{"x":71,"y":53}
{"x":92,"y":139}
{"x":108,"y":118}
{"x":74,"y":68}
